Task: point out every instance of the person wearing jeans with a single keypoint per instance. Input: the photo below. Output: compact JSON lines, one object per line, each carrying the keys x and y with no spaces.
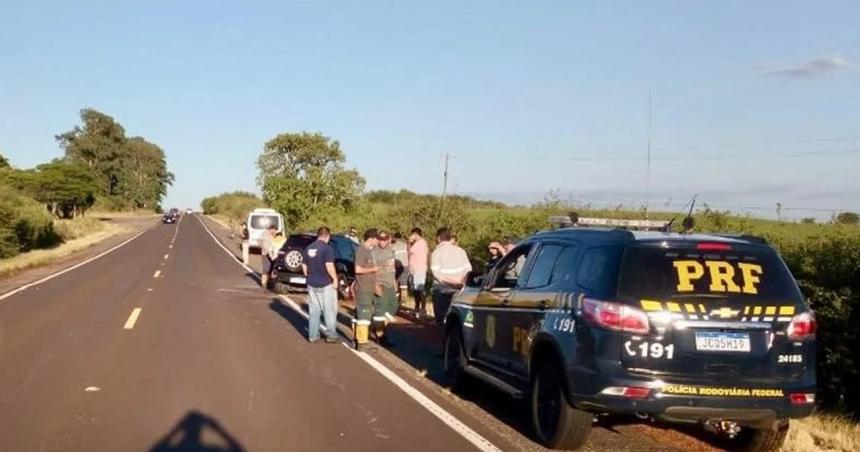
{"x":318,"y":267}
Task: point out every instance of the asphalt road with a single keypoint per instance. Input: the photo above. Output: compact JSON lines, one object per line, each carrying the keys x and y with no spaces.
{"x":209,"y":362}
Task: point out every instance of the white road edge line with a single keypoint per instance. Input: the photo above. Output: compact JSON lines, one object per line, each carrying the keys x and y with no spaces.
{"x":132,"y":318}
{"x":455,"y":424}
{"x":73,"y":267}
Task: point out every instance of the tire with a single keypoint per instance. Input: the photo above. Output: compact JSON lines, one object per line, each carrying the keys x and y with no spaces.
{"x":557,"y":424}
{"x":454,"y":360}
{"x":754,"y":440}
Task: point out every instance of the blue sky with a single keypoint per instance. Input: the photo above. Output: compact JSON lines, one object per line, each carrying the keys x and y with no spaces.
{"x":753,"y":104}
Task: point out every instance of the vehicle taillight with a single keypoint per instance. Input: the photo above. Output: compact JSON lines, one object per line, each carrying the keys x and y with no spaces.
{"x":800,"y":398}
{"x":711,"y":246}
{"x":628,"y":392}
{"x":615,"y":316}
{"x":802,"y":327}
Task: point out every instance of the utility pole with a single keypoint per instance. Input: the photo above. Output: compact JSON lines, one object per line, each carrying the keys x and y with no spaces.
{"x":445,"y":176}
{"x":648,"y":164}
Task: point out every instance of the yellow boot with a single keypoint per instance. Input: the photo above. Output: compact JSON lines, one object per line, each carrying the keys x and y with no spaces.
{"x":361,"y":331}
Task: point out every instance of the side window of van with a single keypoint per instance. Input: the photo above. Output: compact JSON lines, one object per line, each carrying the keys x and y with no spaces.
{"x":598,"y":270}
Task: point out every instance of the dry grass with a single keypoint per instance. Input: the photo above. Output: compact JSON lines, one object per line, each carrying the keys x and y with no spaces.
{"x":40,"y":257}
{"x":222,"y":220}
{"x":78,"y":228}
{"x":125,"y":214}
{"x":823,"y":432}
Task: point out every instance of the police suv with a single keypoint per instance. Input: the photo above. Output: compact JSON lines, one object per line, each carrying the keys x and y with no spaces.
{"x":692,"y":328}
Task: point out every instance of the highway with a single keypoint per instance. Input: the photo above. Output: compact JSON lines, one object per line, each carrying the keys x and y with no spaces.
{"x":167,"y":344}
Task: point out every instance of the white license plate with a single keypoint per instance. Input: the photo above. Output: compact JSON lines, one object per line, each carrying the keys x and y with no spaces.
{"x":722,"y":342}
{"x":298,"y":280}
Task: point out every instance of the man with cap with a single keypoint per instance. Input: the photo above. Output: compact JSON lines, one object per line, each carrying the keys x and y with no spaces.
{"x":366,"y":287}
{"x":385,"y":302}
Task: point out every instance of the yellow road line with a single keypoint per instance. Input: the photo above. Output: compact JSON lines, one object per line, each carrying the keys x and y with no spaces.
{"x":156,"y":274}
{"x":135,"y":313}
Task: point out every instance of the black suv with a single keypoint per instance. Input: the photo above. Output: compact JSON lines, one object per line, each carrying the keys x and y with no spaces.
{"x":288,"y":267}
{"x":702,"y":329}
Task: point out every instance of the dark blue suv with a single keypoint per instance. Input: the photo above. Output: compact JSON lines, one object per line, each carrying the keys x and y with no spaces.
{"x":704,"y":329}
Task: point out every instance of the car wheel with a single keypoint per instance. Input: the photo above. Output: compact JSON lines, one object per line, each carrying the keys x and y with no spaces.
{"x":760,"y":440}
{"x":557,"y":423}
{"x":454,"y":360}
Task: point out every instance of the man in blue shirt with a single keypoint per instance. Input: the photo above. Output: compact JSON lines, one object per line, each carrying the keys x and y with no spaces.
{"x":318,"y":267}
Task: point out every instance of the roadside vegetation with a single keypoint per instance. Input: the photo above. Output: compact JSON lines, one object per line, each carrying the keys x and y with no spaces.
{"x":101,"y":170}
{"x":303,"y":177}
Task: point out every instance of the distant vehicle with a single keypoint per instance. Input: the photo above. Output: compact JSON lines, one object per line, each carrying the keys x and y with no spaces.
{"x":288,"y":267}
{"x":168,"y":218}
{"x":188,"y":211}
{"x":259,"y":222}
{"x":699,"y":329}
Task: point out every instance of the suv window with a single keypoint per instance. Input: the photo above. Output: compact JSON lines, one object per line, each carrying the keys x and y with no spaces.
{"x":264,"y":221}
{"x":511,"y":268}
{"x":598,"y":271}
{"x":565,"y":267}
{"x":542,"y":269}
{"x":299,"y":241}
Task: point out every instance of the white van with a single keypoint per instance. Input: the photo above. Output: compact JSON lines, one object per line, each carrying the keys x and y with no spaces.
{"x":259,"y":221}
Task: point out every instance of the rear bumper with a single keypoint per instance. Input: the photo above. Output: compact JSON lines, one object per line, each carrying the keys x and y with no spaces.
{"x":758,"y":413}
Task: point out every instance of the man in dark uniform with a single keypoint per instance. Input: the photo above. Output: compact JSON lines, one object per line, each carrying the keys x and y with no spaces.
{"x":366,"y":287}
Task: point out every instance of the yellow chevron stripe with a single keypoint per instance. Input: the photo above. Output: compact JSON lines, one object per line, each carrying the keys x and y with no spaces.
{"x":690,"y":308}
{"x":770,"y":310}
{"x":757,"y":310}
{"x":651,"y":305}
{"x":673,"y":307}
{"x":786,"y":310}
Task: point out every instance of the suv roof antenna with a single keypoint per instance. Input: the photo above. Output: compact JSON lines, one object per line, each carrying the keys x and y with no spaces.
{"x":692,"y":204}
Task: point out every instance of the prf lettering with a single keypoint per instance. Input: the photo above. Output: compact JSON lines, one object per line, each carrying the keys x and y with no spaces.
{"x":722,"y":275}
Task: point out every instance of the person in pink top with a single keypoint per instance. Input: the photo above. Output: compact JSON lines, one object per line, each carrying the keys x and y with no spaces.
{"x":419,"y":255}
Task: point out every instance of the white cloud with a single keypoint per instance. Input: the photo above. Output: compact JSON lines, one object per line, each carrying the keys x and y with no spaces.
{"x":815,"y":67}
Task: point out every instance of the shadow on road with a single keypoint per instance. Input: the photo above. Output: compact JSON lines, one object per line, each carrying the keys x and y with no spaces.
{"x":298,"y":322}
{"x":198,"y":432}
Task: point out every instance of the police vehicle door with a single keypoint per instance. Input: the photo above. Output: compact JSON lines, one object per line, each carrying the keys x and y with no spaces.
{"x":493,"y":330}
{"x":533,"y":298}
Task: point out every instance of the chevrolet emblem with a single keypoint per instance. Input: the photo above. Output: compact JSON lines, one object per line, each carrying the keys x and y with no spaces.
{"x":725,"y":313}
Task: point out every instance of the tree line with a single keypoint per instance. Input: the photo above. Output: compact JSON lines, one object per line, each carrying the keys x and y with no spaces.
{"x":100,"y":167}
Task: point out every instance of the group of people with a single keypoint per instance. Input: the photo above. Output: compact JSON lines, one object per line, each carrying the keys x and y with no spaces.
{"x":385,"y":264}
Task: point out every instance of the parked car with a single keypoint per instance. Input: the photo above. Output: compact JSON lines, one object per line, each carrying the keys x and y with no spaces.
{"x":700,"y":329}
{"x":288,"y":267}
{"x":259,"y":221}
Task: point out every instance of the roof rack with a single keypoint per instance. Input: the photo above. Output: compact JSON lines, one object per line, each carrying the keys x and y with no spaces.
{"x":645,"y":225}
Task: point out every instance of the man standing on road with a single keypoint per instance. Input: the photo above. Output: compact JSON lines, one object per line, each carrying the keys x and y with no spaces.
{"x":265,"y":249}
{"x":401,"y":262}
{"x":450,"y":266}
{"x":318,"y":267}
{"x":419,"y":254}
{"x":385,"y":302}
{"x":366,"y":287}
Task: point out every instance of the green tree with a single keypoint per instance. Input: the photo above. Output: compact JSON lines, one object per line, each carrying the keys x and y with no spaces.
{"x":99,"y":144}
{"x":67,"y":188}
{"x":848,"y":218}
{"x":143,"y":175}
{"x":301,"y":173}
{"x":4,"y":162}
{"x":130,"y":172}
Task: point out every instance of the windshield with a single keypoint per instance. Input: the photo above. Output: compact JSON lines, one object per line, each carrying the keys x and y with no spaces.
{"x":264,"y":221}
{"x":755,"y":274}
